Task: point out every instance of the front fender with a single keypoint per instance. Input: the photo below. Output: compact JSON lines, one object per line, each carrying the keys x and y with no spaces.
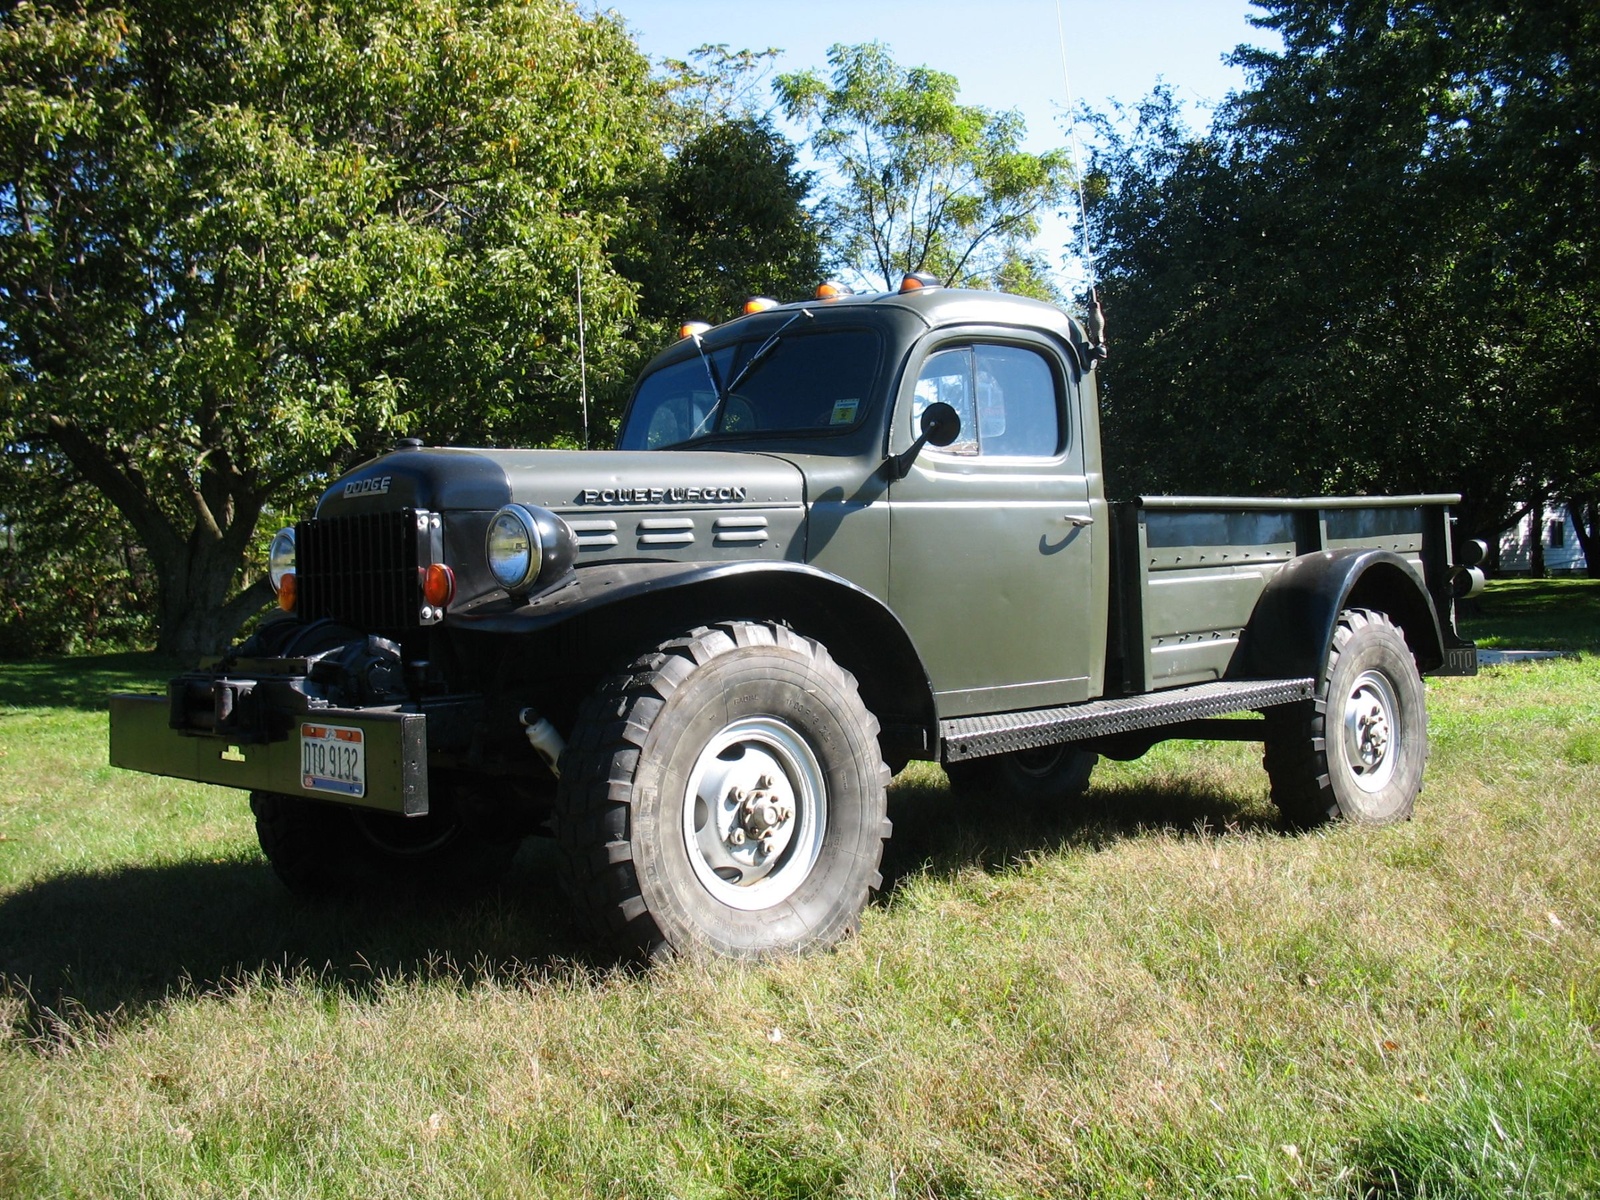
{"x":619,"y":602}
{"x":1291,"y":628}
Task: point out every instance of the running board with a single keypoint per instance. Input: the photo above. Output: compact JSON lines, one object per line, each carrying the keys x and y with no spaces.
{"x":978,"y":737}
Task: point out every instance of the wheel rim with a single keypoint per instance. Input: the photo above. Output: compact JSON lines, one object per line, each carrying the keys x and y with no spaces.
{"x":1370,"y":744}
{"x":401,"y":837}
{"x":1040,"y":763}
{"x":754,"y":813}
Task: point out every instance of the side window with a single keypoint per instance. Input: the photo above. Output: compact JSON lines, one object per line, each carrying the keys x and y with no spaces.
{"x":1005,"y":396}
{"x":947,"y":376}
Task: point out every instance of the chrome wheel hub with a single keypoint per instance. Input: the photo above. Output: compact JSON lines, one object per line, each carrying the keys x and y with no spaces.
{"x":754,"y":813}
{"x":1369,"y":731}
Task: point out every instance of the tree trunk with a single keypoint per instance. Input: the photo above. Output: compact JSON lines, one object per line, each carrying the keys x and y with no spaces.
{"x":1585,"y":512}
{"x":1536,"y":540}
{"x":194,"y":568}
{"x":196,"y":614}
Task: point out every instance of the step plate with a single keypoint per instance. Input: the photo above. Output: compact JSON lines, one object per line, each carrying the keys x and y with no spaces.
{"x":978,"y":737}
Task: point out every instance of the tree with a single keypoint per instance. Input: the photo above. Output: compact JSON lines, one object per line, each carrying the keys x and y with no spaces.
{"x":244,"y":243}
{"x":1375,"y":272}
{"x":72,"y":577}
{"x":729,"y":221}
{"x":726,"y":216}
{"x":923,"y":183}
{"x":714,"y":86}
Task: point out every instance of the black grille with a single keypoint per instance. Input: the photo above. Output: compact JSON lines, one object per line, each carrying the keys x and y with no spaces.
{"x":362,"y":570}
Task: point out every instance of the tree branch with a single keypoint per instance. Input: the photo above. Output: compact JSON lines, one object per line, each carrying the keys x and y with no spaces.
{"x":247,"y":603}
{"x":122,"y":488}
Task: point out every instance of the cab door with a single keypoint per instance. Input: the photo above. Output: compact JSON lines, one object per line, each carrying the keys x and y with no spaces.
{"x":990,"y":536}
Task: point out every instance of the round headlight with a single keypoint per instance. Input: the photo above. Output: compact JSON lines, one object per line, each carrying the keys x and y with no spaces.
{"x":280,"y":557}
{"x":514,"y":548}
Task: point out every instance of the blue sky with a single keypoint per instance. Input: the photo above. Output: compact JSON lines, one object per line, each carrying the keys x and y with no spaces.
{"x":1006,"y":53}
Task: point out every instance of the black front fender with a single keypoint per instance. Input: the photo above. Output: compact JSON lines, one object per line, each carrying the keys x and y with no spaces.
{"x":1291,"y":628}
{"x":617,"y":603}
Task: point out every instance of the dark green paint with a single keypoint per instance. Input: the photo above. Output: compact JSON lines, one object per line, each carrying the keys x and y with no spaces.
{"x":953,"y":585}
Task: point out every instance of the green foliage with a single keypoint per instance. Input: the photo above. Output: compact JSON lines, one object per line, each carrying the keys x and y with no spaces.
{"x":925,"y":183}
{"x":729,"y":221}
{"x":245,"y":244}
{"x":1484,"y":1142}
{"x":713,"y":86}
{"x":1364,"y":277}
{"x":725,"y":215}
{"x":72,"y":577}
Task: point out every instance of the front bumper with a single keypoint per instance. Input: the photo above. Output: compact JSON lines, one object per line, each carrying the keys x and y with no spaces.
{"x":395,"y":748}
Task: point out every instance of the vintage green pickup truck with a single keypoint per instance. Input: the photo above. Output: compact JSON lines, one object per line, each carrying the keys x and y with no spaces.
{"x":834,"y":537}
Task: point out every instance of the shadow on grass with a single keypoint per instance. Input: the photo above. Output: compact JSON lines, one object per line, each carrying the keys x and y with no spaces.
{"x":1534,"y":614}
{"x":113,"y":945}
{"x":119,"y":943}
{"x":82,"y":682}
{"x":940,"y":832}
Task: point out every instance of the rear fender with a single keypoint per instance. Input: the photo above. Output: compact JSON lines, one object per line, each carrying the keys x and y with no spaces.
{"x":1292,"y":627}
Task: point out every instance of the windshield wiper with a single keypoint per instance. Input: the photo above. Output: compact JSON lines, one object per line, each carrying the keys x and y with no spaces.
{"x":708,"y":424}
{"x":764,"y":351}
{"x":712,"y":373}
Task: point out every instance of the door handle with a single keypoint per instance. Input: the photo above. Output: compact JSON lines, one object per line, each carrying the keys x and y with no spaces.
{"x":1077,"y":522}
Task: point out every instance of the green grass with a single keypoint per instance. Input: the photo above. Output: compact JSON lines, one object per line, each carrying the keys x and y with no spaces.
{"x":1155,"y":994}
{"x":1535,"y":614}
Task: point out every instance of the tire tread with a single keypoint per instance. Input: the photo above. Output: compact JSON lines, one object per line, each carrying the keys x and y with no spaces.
{"x":593,"y":805}
{"x":1295,"y":752}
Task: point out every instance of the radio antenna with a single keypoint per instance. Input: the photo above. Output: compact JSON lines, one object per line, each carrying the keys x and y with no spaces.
{"x":1077,"y":149}
{"x":583,"y":367}
{"x":1096,"y":326}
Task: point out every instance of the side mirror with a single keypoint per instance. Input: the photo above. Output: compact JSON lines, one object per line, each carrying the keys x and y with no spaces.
{"x":940,"y":424}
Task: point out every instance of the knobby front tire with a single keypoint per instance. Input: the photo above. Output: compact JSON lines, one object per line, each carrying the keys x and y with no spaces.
{"x":725,"y":793}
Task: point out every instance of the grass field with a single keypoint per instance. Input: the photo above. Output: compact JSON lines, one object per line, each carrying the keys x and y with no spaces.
{"x":1155,"y":994}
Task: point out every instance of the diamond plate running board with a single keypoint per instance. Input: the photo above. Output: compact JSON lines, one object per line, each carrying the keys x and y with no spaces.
{"x":977,"y":737}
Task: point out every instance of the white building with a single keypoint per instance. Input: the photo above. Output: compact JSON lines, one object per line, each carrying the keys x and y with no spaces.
{"x":1562,"y":553}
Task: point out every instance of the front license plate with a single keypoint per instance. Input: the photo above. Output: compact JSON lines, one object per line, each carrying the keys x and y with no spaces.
{"x":333,"y":758}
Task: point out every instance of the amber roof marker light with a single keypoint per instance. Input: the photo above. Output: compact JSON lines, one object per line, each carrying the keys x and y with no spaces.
{"x":918,"y":280}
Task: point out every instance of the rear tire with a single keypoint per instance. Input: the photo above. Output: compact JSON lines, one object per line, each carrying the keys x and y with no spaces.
{"x":1046,"y":776}
{"x":725,"y":793}
{"x":1357,"y":751}
{"x":321,"y":850}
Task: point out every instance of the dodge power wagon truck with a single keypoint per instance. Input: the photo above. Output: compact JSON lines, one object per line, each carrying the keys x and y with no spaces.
{"x":833,"y":537}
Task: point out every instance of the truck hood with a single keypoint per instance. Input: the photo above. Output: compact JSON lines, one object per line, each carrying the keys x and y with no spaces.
{"x":569,"y":482}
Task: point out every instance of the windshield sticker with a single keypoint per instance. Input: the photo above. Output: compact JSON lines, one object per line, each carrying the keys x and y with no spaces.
{"x":844,"y":412}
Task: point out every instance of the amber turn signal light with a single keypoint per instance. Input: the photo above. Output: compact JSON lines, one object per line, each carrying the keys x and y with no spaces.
{"x":438,"y":586}
{"x":288,"y":592}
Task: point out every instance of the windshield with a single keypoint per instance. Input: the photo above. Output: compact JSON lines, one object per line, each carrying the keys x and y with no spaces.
{"x":807,"y":382}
